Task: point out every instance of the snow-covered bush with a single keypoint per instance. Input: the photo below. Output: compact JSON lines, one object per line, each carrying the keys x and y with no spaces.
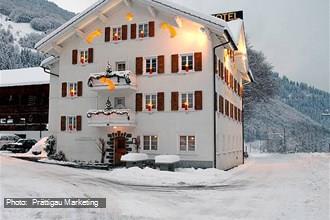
{"x":60,"y":156}
{"x":50,"y":145}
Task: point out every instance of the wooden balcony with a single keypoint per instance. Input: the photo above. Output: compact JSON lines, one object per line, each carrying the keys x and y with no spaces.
{"x":114,"y":117}
{"x":117,"y":80}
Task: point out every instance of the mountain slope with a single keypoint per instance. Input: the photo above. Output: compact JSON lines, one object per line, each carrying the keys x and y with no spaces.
{"x":275,"y":121}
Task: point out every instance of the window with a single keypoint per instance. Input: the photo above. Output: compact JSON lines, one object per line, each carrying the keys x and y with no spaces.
{"x":121,"y":66}
{"x":150,"y":142}
{"x":84,"y":56}
{"x":187,"y":62}
{"x":116,"y":33}
{"x":187,"y":101}
{"x":187,"y":143}
{"x":71,"y":123}
{"x":3,"y":121}
{"x":151,"y":102}
{"x":120,"y":102}
{"x":151,"y":65}
{"x":10,"y":121}
{"x":143,"y":30}
{"x":73,"y":89}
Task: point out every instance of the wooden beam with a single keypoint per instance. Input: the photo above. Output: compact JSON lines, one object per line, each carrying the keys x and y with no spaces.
{"x":58,"y":48}
{"x":80,"y":33}
{"x":103,"y":18}
{"x":152,"y":11}
{"x":178,"y":21}
{"x":128,"y":3}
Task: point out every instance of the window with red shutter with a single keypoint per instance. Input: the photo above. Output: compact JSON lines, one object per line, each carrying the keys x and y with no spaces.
{"x":227,"y":107}
{"x":161,"y":64}
{"x":107,"y":34}
{"x":74,"y":57}
{"x":64,"y":89}
{"x":221,"y":104}
{"x":124,"y":32}
{"x":80,"y":88}
{"x":151,"y":29}
{"x":133,"y":31}
{"x":175,"y":63}
{"x":79,"y":123}
{"x":138,"y":102}
{"x":175,"y":101}
{"x":139,"y":66}
{"x":198,"y":61}
{"x":231,"y":110}
{"x":90,"y":55}
{"x":160,"y":101}
{"x":63,"y":123}
{"x":198,"y":100}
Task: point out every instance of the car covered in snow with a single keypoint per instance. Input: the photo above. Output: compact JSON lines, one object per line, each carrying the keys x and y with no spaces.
{"x":21,"y":146}
{"x":5,"y":139}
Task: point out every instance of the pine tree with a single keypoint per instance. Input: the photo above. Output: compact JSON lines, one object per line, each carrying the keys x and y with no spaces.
{"x":108,"y":105}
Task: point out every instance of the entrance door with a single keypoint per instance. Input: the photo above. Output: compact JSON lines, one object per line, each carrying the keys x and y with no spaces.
{"x":120,"y":149}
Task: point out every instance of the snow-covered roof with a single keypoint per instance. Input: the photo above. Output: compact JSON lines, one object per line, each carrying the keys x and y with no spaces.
{"x":236,"y":27}
{"x":48,"y":61}
{"x":214,"y":24}
{"x":25,"y":76}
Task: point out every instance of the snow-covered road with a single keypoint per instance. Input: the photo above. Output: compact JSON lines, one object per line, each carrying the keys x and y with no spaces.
{"x":269,"y":186}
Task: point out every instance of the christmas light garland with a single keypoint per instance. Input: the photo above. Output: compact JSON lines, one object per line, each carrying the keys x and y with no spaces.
{"x":108,"y":112}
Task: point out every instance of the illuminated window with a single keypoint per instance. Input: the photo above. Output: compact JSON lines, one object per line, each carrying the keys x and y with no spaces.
{"x":150,"y":142}
{"x":187,"y":143}
{"x":151,"y":65}
{"x":120,"y":66}
{"x":187,"y":101}
{"x":143,"y":30}
{"x":71,"y":123}
{"x":116,"y":33}
{"x":187,"y":62}
{"x":84,"y":56}
{"x":72,"y":89}
{"x":151,"y":102}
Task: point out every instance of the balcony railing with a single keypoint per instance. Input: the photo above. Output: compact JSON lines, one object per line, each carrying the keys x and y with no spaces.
{"x":117,"y":79}
{"x":113,"y":117}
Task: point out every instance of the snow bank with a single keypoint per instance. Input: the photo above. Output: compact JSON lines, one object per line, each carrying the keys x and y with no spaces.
{"x":57,"y":162}
{"x":36,"y":151}
{"x":131,"y":157}
{"x":167,"y":159}
{"x":153,"y":177}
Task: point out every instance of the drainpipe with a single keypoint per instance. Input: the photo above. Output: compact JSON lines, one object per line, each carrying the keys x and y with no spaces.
{"x":214,"y":103}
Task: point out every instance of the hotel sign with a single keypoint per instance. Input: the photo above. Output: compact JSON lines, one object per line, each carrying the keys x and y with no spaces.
{"x":230,"y":16}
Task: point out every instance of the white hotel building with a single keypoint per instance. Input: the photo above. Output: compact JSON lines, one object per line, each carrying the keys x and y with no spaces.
{"x":175,"y":87}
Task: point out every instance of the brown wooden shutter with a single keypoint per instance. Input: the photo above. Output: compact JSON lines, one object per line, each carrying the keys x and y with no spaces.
{"x":107,"y":34}
{"x":238,"y":89}
{"x":133,"y":31}
{"x":235,"y":85}
{"x":235,"y":112}
{"x":63,"y":123}
{"x":124,"y":32}
{"x":231,"y":81}
{"x":139,"y":66}
{"x":175,"y":63}
{"x":138,"y":102}
{"x":64,"y":89}
{"x":227,"y":107}
{"x":175,"y":101}
{"x":80,"y":88}
{"x":198,"y":100}
{"x":160,"y":101}
{"x":90,"y":55}
{"x":79,"y":123}
{"x":151,"y":28}
{"x":231,"y":110}
{"x":74,"y":57}
{"x":198,"y":61}
{"x":221,"y":104}
{"x":222,"y":70}
{"x":161,"y":64}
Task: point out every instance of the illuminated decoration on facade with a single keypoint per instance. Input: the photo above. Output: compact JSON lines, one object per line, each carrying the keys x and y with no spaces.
{"x":129,"y":16}
{"x":108,"y":82}
{"x":90,"y":38}
{"x":108,"y":112}
{"x":170,"y":28}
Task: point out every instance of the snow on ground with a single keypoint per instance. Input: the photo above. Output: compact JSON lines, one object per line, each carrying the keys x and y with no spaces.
{"x":272,"y":187}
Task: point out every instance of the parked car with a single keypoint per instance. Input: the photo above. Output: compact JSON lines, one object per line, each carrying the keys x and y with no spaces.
{"x":21,"y":146}
{"x":5,"y":139}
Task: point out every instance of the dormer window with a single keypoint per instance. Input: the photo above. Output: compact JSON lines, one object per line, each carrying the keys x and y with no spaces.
{"x":143,"y":30}
{"x":187,"y":63}
{"x":151,"y":65}
{"x":84,"y":56}
{"x":116,"y":33}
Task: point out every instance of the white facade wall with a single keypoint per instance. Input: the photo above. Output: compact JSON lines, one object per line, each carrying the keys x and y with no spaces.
{"x":167,"y":125}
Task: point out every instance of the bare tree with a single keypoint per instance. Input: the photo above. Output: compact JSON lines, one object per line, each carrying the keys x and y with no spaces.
{"x":101,"y":146}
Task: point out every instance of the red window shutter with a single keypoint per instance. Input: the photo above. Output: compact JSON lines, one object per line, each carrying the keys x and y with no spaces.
{"x":175,"y":63}
{"x":235,"y":85}
{"x":235,"y":112}
{"x":138,"y":102}
{"x":80,"y":88}
{"x":78,"y":123}
{"x":227,"y":107}
{"x":198,"y":100}
{"x":160,"y":101}
{"x":231,"y":81}
{"x":161,"y":64}
{"x":221,"y":104}
{"x":63,"y":123}
{"x":175,"y":101}
{"x":124,"y":32}
{"x":107,"y":34}
{"x":198,"y":61}
{"x":90,"y":55}
{"x":133,"y":31}
{"x":151,"y":28}
{"x":74,"y":57}
{"x":64,"y":89}
{"x":139,"y":66}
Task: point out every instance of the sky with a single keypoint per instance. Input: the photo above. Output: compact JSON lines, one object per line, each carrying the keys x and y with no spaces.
{"x":294,"y":34}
